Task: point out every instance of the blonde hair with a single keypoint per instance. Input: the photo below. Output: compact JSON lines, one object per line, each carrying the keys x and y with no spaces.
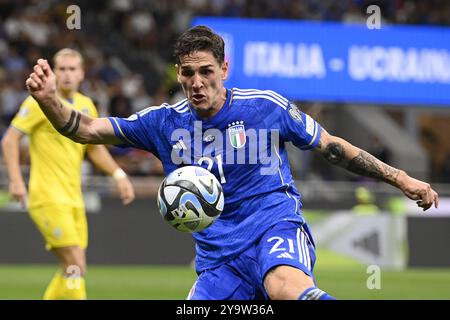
{"x":68,"y":52}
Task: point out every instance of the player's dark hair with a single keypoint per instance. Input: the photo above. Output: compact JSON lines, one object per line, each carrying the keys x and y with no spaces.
{"x":200,"y":38}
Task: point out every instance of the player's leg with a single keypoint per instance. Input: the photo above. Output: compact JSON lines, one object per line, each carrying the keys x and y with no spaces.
{"x":230,"y":281}
{"x":52,"y":292}
{"x":72,"y":260}
{"x":219,"y":284}
{"x":289,"y":283}
{"x":286,"y":282}
{"x":286,"y":256}
{"x":65,"y":233}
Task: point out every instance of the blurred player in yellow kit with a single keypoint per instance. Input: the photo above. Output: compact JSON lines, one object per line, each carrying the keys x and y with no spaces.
{"x":55,"y":201}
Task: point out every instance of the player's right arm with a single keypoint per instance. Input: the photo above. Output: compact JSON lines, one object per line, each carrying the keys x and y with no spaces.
{"x":306,"y":133}
{"x":71,"y":123}
{"x":11,"y":156}
{"x":340,"y":152}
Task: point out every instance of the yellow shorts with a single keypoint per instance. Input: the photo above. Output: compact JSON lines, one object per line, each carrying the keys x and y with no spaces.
{"x":61,"y":225}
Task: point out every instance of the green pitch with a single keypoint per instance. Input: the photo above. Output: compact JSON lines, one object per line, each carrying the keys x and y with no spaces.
{"x":338,"y":275}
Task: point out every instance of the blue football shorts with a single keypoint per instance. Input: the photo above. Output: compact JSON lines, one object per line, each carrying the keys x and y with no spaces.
{"x":286,"y":243}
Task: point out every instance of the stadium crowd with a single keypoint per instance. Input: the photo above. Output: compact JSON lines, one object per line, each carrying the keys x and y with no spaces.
{"x":127,"y":45}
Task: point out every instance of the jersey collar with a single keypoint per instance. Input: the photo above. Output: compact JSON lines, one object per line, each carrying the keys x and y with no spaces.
{"x":217,"y":118}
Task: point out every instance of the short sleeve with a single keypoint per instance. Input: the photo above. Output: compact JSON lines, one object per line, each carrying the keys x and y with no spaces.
{"x":140,"y":129}
{"x":299,"y":128}
{"x":28,"y":117}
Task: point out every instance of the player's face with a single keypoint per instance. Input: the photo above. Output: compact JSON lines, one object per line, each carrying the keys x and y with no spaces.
{"x":201,"y":77}
{"x":69,"y":73}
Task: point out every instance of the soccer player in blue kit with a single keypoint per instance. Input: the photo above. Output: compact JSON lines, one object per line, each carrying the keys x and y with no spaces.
{"x":260,"y":247}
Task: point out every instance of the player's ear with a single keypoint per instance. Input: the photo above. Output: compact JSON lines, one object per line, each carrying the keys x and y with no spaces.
{"x":178,"y":69}
{"x":224,"y":68}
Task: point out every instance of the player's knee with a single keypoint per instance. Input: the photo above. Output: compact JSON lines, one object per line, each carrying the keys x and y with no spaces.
{"x":73,"y":261}
{"x":286,"y":283}
{"x":75,"y":269}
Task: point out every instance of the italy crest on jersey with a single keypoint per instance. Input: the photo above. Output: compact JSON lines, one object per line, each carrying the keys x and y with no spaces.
{"x":236,"y":132}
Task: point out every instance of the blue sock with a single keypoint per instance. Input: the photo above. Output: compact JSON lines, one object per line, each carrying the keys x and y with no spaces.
{"x":314,"y":293}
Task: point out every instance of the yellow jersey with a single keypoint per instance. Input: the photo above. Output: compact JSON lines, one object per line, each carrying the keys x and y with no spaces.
{"x":55,"y":174}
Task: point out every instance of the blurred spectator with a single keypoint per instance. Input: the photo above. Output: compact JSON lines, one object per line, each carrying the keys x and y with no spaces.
{"x":108,"y":73}
{"x":97,"y":90}
{"x":141,"y":99}
{"x":365,"y":202}
{"x":396,"y":205}
{"x":120,"y":106}
{"x":11,"y":96}
{"x":14,"y":63}
{"x":128,"y":47}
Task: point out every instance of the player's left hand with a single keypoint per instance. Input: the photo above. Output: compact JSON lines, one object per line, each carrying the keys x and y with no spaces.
{"x":418,"y":190}
{"x":126,"y":190}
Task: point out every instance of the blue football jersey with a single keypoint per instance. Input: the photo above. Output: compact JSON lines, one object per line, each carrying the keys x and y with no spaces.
{"x":243,"y":145}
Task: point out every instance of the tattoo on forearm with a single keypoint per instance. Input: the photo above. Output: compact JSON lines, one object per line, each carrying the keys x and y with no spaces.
{"x":72,"y":125}
{"x":69,"y":123}
{"x":334,"y":153}
{"x":367,"y":165}
{"x":77,"y":124}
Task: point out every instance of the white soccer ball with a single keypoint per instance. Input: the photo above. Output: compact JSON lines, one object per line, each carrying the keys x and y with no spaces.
{"x":190,"y":199}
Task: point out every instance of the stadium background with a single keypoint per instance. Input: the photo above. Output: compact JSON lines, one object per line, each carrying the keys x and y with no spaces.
{"x":127,"y":45}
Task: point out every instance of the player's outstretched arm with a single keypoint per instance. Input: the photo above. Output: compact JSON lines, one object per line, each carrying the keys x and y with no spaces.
{"x":340,"y":152}
{"x":71,"y":123}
